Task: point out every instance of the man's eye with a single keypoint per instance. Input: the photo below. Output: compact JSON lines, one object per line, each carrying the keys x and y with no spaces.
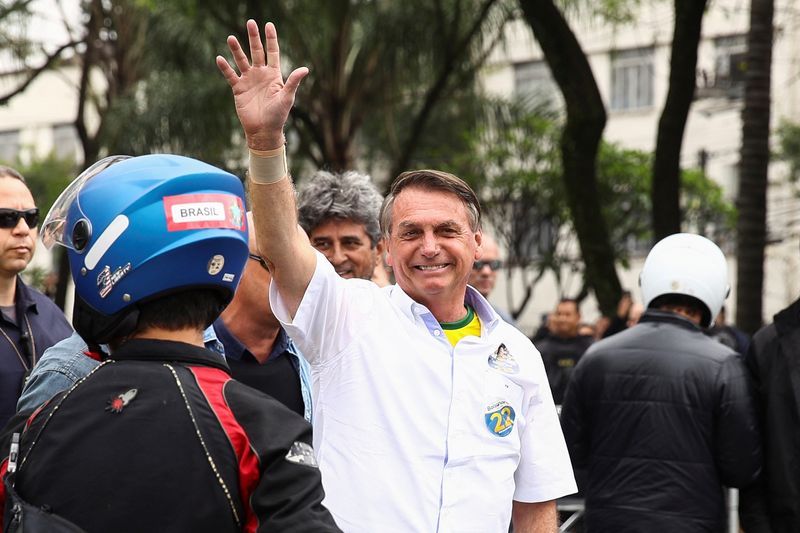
{"x":321,"y":245}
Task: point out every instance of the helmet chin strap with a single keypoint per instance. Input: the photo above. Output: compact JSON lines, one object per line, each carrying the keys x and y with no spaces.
{"x":97,"y":329}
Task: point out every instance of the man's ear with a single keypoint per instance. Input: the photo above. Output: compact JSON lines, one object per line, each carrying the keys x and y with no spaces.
{"x":379,"y":251}
{"x":388,"y":252}
{"x":479,"y":242}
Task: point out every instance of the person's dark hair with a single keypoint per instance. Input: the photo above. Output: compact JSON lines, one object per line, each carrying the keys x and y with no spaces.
{"x":573,"y":301}
{"x":432,"y":180}
{"x":682,"y":300}
{"x":346,"y":196}
{"x":8,"y":172}
{"x":186,"y":309}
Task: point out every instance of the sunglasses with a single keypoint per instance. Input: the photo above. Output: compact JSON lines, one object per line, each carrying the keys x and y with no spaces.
{"x":495,"y":264}
{"x":9,"y":218}
{"x":260,"y":261}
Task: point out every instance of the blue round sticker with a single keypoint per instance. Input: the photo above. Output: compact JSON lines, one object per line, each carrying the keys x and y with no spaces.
{"x":499,"y":418}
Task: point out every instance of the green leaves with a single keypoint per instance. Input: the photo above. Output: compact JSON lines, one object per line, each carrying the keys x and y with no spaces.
{"x":789,"y":147}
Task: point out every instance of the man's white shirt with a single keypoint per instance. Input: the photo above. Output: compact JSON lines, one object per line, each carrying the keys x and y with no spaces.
{"x":412,"y":434}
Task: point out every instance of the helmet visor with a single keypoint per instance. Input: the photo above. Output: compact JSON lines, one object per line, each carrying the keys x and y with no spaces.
{"x":54,"y":230}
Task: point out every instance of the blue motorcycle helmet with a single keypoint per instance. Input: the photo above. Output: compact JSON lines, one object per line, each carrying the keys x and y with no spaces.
{"x":139,"y":228}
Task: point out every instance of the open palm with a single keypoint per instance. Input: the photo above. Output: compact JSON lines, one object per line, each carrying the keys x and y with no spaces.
{"x":263,"y":100}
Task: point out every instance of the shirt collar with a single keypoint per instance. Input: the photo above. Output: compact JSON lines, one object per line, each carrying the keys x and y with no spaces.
{"x":162,"y":350}
{"x":416,"y":311}
{"x":24,"y":298}
{"x":235,"y":349}
{"x":655,"y":315}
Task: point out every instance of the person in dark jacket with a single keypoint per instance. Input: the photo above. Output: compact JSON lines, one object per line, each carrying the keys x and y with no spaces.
{"x":772,"y":503}
{"x":29,"y":321}
{"x":159,"y":437}
{"x":660,"y":416}
{"x":563,"y":346}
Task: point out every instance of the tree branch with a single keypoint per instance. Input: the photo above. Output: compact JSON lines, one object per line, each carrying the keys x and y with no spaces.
{"x":33,"y":74}
{"x":436,"y":91}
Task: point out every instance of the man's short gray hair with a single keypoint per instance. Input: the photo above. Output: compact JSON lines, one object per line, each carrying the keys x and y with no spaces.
{"x":346,"y":196}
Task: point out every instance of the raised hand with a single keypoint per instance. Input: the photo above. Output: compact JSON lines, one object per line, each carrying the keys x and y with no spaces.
{"x":263,"y":100}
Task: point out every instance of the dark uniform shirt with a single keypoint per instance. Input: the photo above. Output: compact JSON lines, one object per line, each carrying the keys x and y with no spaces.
{"x":560,"y":356}
{"x":39,"y":324}
{"x":278,"y":376}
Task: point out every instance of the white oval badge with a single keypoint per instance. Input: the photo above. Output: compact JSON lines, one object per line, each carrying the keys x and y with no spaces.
{"x":215,"y":265}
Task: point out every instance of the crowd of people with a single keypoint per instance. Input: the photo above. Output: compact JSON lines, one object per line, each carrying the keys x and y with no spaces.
{"x":236,"y":369}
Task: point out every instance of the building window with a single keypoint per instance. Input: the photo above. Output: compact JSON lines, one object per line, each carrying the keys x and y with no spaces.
{"x":730,"y":64}
{"x":9,"y":146}
{"x":533,"y":79}
{"x":632,"y":79}
{"x":65,"y":141}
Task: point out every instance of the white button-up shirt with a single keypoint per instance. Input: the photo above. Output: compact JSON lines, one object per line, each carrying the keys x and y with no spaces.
{"x":411,"y":434}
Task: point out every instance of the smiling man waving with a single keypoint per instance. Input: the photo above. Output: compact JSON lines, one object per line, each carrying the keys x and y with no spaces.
{"x":430,"y":412}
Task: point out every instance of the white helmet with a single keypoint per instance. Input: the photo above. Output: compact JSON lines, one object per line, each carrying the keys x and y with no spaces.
{"x":687,"y":264}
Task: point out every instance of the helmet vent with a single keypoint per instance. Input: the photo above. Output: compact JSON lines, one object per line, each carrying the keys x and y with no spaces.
{"x":81,"y":233}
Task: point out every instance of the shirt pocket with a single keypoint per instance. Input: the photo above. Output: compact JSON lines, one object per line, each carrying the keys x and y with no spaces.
{"x":502,"y":408}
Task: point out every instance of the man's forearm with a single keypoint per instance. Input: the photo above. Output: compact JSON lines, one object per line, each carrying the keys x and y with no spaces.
{"x":538,"y":517}
{"x":280,"y":240}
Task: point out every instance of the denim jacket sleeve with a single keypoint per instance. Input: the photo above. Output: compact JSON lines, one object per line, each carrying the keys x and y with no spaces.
{"x":60,"y":367}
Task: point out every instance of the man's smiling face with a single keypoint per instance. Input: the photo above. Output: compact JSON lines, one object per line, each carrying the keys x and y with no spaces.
{"x":347,"y":246}
{"x":432,"y":246}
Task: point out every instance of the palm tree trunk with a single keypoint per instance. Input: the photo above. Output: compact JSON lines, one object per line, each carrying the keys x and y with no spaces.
{"x":665,"y":190}
{"x":752,"y":200}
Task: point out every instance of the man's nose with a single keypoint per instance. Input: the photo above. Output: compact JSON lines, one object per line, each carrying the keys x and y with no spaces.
{"x":22,"y":227}
{"x":336,"y":255}
{"x":430,"y":244}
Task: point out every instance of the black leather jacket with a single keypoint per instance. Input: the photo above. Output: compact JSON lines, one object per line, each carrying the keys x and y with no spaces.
{"x":660,"y":416}
{"x":162,"y":439}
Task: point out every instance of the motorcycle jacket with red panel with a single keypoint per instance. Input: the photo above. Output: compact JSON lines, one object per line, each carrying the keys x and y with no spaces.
{"x":160,"y":438}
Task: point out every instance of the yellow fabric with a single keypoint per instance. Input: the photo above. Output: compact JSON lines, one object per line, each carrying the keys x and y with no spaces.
{"x":473,"y":327}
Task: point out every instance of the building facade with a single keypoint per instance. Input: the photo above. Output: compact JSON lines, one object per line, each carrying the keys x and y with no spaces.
{"x":631,"y":66}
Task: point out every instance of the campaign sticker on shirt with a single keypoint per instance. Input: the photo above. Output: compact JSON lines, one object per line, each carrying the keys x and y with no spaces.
{"x":200,"y":211}
{"x":499,"y":418}
{"x":503,"y":361}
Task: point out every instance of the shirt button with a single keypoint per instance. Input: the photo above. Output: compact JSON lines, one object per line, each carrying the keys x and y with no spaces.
{"x":437,"y":332}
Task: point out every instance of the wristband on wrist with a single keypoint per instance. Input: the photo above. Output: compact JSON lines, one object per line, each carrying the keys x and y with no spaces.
{"x":268,"y":166}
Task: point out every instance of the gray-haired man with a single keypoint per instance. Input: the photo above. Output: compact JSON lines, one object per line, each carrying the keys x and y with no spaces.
{"x":339,"y":212}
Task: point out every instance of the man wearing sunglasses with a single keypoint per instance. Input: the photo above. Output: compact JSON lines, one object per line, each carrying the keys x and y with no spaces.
{"x":29,"y":321}
{"x":484,"y":272}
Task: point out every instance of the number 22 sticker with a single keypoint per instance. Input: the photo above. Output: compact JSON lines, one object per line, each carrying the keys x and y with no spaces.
{"x":499,"y":418}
